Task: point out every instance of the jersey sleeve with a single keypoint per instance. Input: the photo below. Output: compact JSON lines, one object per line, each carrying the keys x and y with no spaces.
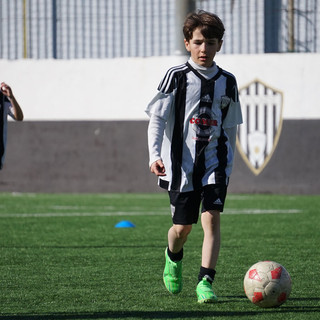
{"x":155,"y":135}
{"x":234,"y":114}
{"x":163,"y":101}
{"x":161,"y":105}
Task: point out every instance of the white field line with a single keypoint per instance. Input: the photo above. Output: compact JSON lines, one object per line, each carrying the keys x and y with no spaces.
{"x":137,"y":213}
{"x":261,"y":211}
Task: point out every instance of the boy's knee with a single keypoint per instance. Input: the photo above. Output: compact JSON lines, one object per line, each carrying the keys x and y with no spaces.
{"x":211,"y":215}
{"x":182,"y":231}
{"x":210,"y":220}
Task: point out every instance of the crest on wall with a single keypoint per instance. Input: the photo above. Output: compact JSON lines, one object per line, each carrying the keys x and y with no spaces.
{"x":258,"y":136}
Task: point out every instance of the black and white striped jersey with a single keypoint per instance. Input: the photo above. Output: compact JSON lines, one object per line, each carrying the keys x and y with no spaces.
{"x":4,"y":112}
{"x":196,"y":112}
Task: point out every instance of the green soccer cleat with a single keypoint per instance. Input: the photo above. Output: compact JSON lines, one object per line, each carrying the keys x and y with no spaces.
{"x":205,"y":292}
{"x":172,"y":275}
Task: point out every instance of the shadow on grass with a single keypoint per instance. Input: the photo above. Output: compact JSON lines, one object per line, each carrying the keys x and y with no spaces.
{"x":128,"y":314}
{"x":159,"y":314}
{"x":83,"y":247}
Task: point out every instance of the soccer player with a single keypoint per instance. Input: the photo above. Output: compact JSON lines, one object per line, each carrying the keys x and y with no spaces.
{"x":191,"y":140}
{"x":8,"y":106}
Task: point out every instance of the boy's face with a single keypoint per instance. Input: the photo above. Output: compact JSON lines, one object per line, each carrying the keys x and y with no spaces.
{"x":202,"y":50}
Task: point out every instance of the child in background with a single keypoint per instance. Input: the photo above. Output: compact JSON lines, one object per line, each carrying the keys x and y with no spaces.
{"x":8,"y":106}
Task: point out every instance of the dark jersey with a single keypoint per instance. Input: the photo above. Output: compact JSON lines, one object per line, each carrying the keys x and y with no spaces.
{"x":4,"y":111}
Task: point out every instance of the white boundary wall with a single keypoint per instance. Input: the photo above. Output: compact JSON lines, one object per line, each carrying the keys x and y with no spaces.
{"x":120,"y":89}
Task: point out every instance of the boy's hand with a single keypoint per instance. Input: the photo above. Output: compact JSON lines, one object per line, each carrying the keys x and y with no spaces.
{"x":158,"y":168}
{"x":6,"y":90}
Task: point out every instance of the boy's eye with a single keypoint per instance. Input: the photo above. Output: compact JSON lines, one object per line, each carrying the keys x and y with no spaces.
{"x":211,"y":43}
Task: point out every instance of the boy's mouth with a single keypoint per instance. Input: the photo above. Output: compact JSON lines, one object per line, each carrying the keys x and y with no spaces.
{"x":203,"y":59}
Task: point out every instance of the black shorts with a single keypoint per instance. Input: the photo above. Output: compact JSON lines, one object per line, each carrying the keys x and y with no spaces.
{"x":185,"y":205}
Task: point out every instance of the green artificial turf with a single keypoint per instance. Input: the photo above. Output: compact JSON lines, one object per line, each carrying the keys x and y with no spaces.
{"x":63,"y":258}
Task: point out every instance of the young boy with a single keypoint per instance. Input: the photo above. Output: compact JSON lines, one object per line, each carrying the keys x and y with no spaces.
{"x":8,"y":106}
{"x":191,"y":140}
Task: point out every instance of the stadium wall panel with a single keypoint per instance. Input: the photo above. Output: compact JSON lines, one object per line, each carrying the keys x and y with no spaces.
{"x":120,"y":89}
{"x":111,"y":156}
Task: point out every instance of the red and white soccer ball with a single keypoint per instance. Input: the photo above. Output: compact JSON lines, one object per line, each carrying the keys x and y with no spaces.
{"x":267,"y":284}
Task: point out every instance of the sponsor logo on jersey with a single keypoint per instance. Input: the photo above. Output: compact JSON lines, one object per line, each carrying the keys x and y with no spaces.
{"x":204,"y":121}
{"x":258,"y":136}
{"x":203,"y":124}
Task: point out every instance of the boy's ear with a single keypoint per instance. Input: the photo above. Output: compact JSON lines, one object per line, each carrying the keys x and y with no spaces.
{"x":187,"y":44}
{"x":220,"y":45}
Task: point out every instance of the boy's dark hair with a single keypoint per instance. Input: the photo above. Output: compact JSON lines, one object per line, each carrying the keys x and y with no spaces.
{"x":210,"y":24}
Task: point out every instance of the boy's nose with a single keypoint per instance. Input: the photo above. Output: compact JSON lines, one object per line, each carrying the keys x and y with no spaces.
{"x":203,"y":47}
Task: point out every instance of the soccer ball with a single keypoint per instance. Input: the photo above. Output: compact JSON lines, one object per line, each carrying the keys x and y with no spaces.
{"x":267,"y":284}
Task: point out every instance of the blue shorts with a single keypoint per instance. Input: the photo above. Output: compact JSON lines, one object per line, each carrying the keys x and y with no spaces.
{"x":185,"y":205}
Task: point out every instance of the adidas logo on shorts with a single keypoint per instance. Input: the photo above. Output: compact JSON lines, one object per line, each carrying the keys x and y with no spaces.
{"x":218,"y":201}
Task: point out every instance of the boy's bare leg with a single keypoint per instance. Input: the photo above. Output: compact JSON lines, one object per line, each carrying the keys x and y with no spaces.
{"x":210,"y":221}
{"x":177,"y":236}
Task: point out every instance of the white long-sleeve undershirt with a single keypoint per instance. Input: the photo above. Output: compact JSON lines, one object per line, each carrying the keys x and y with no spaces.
{"x":155,"y":135}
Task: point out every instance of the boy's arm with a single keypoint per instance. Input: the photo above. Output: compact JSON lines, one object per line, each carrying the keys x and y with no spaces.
{"x":155,"y":135}
{"x":15,"y":107}
{"x":158,"y":110}
{"x":16,"y":110}
{"x":232,"y":135}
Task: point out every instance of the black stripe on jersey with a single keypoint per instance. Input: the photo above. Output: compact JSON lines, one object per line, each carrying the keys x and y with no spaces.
{"x":168,"y":84}
{"x":222,"y":149}
{"x":207,"y":89}
{"x":178,"y":130}
{"x":199,"y":168}
{"x":2,"y":115}
{"x":231,"y":88}
{"x":222,"y":155}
